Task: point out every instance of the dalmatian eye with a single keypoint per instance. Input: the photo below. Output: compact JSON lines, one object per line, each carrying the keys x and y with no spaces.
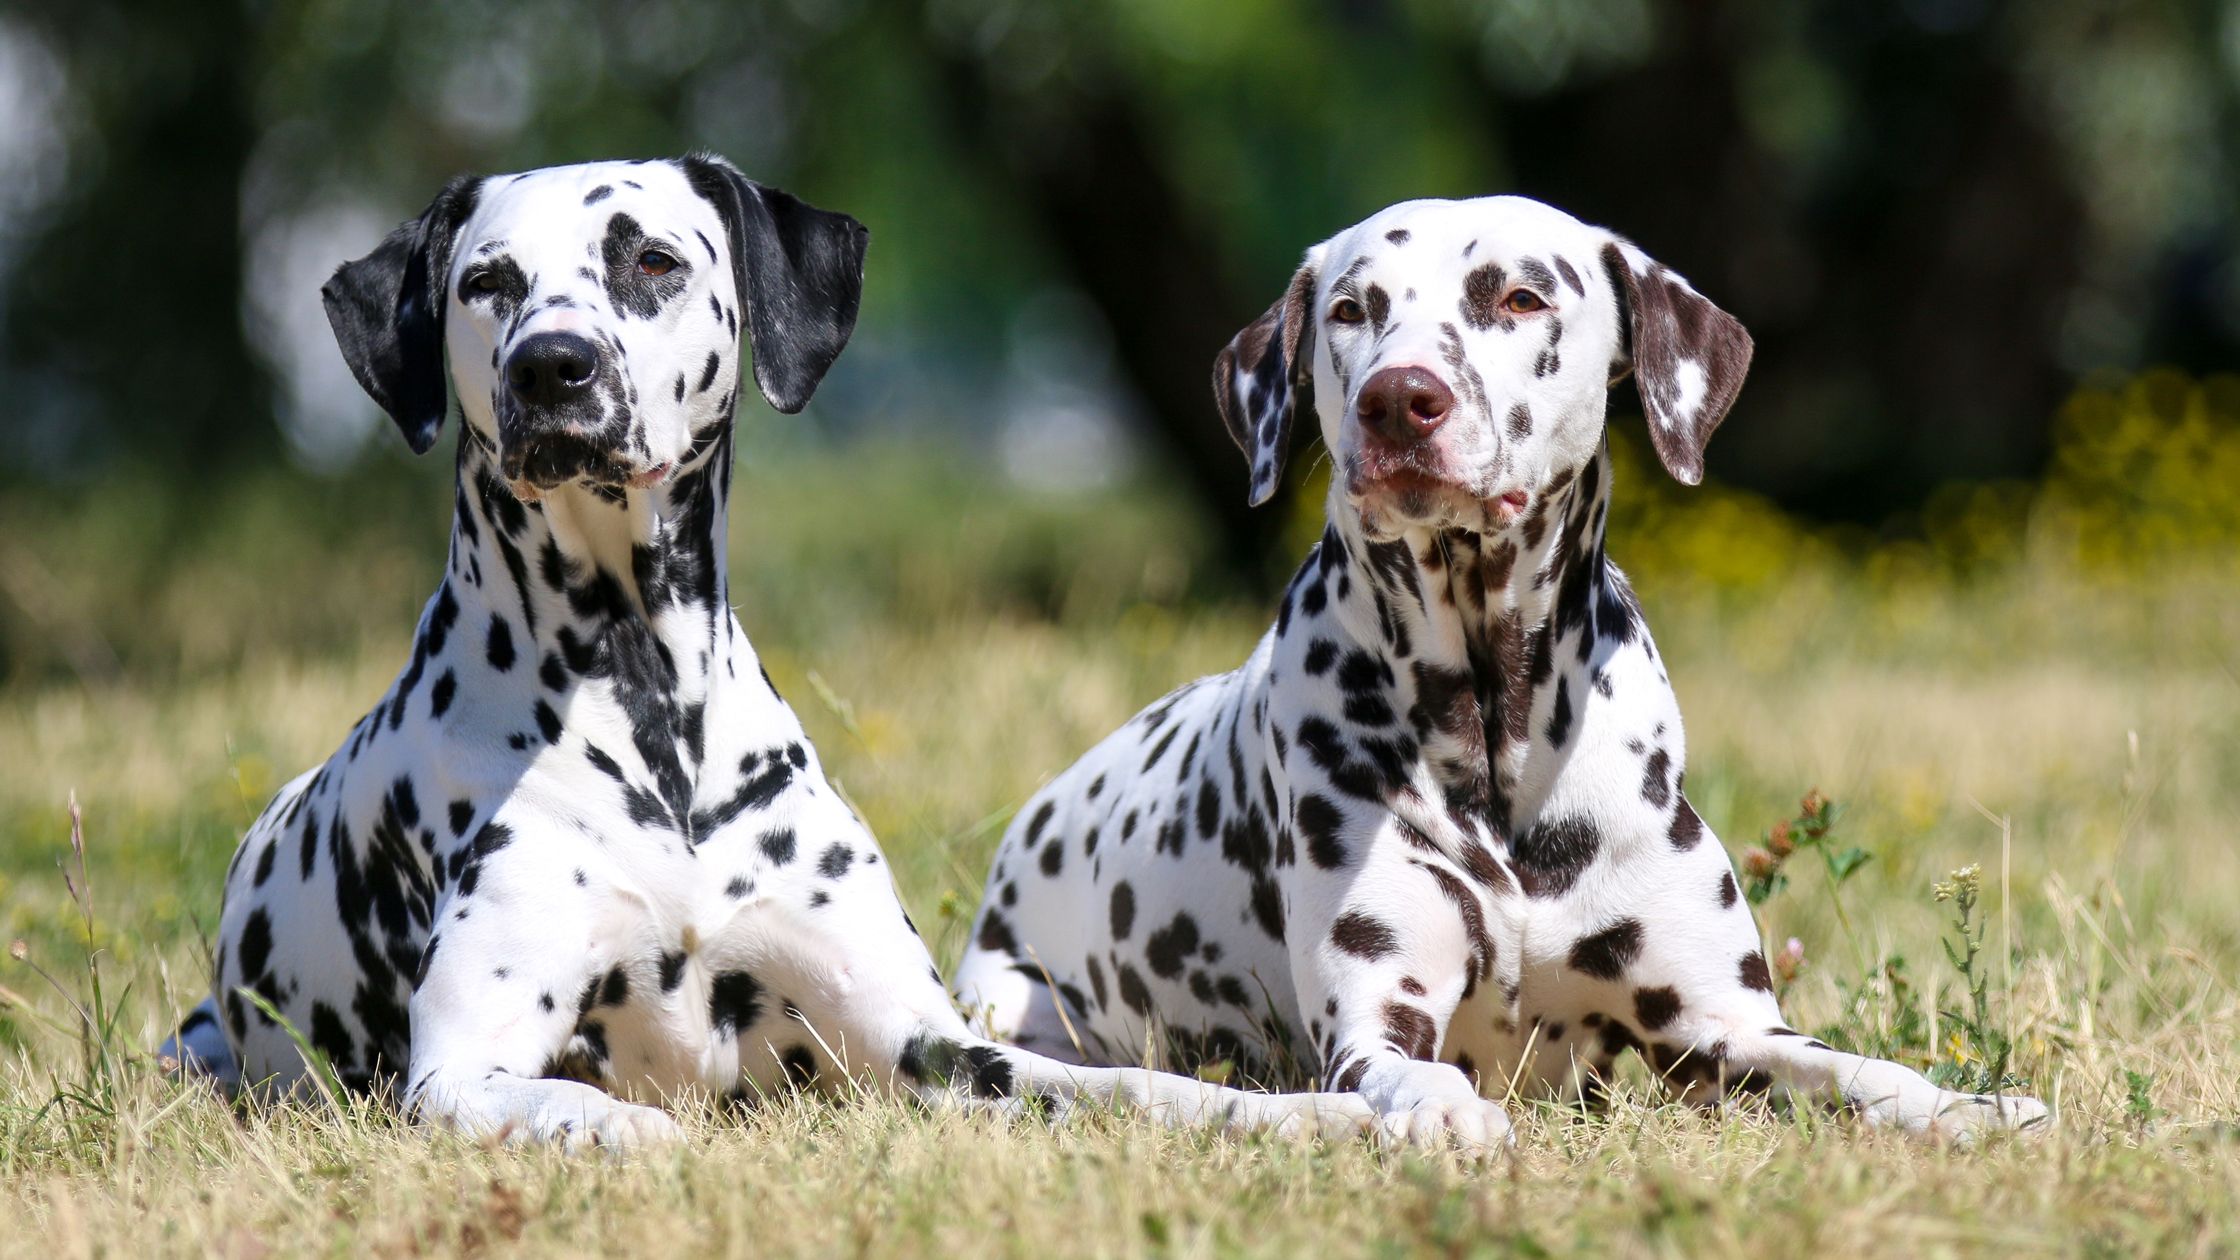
{"x":481,"y":282}
{"x":655,"y":263}
{"x":1346,"y":311}
{"x":1522,"y":302}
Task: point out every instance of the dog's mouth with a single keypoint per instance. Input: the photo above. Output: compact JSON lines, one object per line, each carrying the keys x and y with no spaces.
{"x":539,"y":465}
{"x":1396,"y":490}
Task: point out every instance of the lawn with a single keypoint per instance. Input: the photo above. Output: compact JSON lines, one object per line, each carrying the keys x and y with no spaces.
{"x":2004,"y":686}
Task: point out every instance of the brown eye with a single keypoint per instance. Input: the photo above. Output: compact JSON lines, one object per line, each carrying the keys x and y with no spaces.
{"x":655,"y":263}
{"x":482,"y":282}
{"x":1346,"y":311}
{"x":1522,"y":302}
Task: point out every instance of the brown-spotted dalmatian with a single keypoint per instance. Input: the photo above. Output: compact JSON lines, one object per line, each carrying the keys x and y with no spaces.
{"x":1432,"y":836}
{"x":581,"y":856}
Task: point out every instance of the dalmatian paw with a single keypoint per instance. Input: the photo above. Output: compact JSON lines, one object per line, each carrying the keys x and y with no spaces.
{"x":617,"y":1128}
{"x":1887,"y":1095}
{"x":569,"y":1114}
{"x":1965,"y":1119}
{"x":1475,"y":1126}
{"x":1327,"y":1117}
{"x":1433,"y":1105}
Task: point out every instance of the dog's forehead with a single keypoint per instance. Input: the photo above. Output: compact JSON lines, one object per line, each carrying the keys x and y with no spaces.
{"x":574,"y":207}
{"x":1428,"y":239}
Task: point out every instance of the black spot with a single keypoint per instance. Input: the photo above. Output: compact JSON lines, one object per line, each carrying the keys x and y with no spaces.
{"x":1398,"y":236}
{"x":1133,"y":993}
{"x":836,"y":861}
{"x":498,"y":644}
{"x":548,"y":723}
{"x":1654,"y":1008}
{"x":1687,"y":828}
{"x":983,"y":1070}
{"x":1267,"y":906}
{"x":1053,"y":857}
{"x":255,"y":949}
{"x":995,"y":934}
{"x":734,"y":999}
{"x":439,"y":696}
{"x":672,"y":971}
{"x":599,"y":194}
{"x":1170,"y":948}
{"x":1726,"y":890}
{"x":1123,"y":910}
{"x":1656,"y":785}
{"x":1753,"y":974}
{"x":616,"y":990}
{"x":1559,"y":720}
{"x":1606,"y":954}
{"x":778,"y":845}
{"x":1318,"y":820}
{"x":264,"y":864}
{"x":800,"y":1066}
{"x":1551,"y":856}
{"x":1320,"y":655}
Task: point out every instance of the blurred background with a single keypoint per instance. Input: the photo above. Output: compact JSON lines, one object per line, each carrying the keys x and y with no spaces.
{"x":1937,"y":216}
{"x":1969,"y":559}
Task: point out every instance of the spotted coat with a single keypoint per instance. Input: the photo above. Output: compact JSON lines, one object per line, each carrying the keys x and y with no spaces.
{"x":1432,"y":840}
{"x":581,"y":856}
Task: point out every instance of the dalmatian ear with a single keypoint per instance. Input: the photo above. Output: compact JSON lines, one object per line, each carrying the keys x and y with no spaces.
{"x":798,"y":271}
{"x":1263,"y":377}
{"x":386,"y":310}
{"x":1687,"y":356}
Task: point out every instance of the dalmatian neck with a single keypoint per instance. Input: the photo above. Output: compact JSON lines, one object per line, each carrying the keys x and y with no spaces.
{"x":1499,"y":640}
{"x":624,"y":584}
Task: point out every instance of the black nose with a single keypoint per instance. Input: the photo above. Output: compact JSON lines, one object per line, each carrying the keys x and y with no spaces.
{"x":551,"y":368}
{"x":1404,"y":404}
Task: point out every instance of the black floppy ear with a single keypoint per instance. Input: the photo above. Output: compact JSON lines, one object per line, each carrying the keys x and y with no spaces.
{"x":799,"y":272}
{"x":1263,"y":377}
{"x":1688,"y":356}
{"x":386,"y":310}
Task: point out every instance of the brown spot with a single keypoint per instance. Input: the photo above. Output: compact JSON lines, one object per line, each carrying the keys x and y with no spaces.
{"x":1357,"y":934}
{"x":1411,"y":1030}
{"x":1482,"y":291}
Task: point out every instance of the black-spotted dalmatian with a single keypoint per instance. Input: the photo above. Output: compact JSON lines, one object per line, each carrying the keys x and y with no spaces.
{"x":1431,"y":837}
{"x":581,"y":856}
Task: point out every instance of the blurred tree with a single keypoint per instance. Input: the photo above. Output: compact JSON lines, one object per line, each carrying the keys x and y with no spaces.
{"x":121,"y":316}
{"x":1934,"y":213}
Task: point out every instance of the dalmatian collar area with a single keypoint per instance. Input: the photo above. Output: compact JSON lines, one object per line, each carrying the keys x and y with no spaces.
{"x":581,"y":858}
{"x":1432,"y":838}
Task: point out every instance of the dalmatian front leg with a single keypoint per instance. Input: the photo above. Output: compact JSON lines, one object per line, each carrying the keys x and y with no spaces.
{"x":519,"y":941}
{"x":1882,"y":1093}
{"x":864,"y":982}
{"x":1406,"y":940}
{"x":1702,"y":997}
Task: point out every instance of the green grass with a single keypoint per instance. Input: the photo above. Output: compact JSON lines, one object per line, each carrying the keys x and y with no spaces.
{"x":2075,"y":732}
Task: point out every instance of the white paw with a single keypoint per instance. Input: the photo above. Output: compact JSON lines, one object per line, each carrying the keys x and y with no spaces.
{"x":1476,"y":1126}
{"x":1329,"y":1117}
{"x":1962,"y":1119}
{"x":614,"y":1126}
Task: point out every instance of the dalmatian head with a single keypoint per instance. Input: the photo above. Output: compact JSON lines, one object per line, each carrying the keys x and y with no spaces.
{"x":1459,"y":355}
{"x":592,"y":314}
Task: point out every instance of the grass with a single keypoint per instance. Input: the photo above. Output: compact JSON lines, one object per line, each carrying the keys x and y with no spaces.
{"x":2073,"y":732}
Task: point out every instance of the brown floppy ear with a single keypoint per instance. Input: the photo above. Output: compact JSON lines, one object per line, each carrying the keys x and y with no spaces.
{"x":1263,"y":377}
{"x":1688,"y":357}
